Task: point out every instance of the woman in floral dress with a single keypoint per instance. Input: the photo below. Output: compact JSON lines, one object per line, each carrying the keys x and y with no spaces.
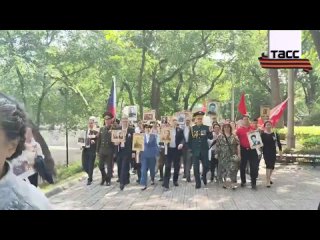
{"x":227,"y":147}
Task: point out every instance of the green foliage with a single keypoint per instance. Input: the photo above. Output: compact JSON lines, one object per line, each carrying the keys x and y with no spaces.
{"x":311,"y":142}
{"x":181,"y":64}
{"x":312,"y":119}
{"x":303,"y":131}
{"x":64,"y":172}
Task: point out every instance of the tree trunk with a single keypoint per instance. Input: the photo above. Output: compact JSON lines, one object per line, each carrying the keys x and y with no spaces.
{"x":45,"y":149}
{"x":143,"y":60}
{"x":155,"y":96}
{"x":316,"y":40}
{"x":40,"y":108}
{"x":22,"y":87}
{"x":275,"y":91}
{"x":126,"y":85}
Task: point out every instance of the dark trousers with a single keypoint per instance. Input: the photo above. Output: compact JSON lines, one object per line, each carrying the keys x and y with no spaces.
{"x":106,"y":159}
{"x":161,"y":162}
{"x":33,"y":179}
{"x":89,"y":158}
{"x":196,"y":168}
{"x":137,"y":166}
{"x":173,"y":156}
{"x":123,"y":163}
{"x":213,"y":165}
{"x":187,"y":161}
{"x":251,"y":156}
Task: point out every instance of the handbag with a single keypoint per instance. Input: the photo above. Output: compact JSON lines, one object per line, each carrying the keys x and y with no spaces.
{"x":234,"y":157}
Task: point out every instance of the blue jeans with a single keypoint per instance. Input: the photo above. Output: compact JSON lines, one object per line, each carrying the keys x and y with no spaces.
{"x":147,"y":164}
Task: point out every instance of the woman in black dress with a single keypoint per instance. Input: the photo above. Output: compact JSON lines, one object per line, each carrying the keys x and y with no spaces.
{"x":270,"y":141}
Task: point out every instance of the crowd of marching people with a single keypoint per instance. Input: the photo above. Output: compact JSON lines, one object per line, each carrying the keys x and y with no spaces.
{"x":218,"y":151}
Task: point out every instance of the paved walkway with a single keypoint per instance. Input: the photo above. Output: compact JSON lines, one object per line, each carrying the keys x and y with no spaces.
{"x":295,"y":187}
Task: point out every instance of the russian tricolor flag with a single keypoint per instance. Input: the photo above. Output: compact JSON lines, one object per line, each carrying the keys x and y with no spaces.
{"x":112,"y":101}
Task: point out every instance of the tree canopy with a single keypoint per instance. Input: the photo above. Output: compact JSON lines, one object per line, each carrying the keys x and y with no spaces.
{"x":59,"y":74}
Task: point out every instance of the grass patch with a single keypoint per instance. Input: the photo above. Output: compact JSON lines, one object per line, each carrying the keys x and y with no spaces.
{"x":73,"y":171}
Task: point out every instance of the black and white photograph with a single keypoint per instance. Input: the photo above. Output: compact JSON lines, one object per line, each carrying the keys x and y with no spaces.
{"x":213,"y":108}
{"x":132,"y":113}
{"x":181,"y":118}
{"x":255,"y":140}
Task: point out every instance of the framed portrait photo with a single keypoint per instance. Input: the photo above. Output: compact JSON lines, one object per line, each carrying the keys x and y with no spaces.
{"x":165,"y":134}
{"x":149,"y":116}
{"x":181,"y":118}
{"x":213,"y":108}
{"x":138,"y":142}
{"x":117,"y":136}
{"x":255,"y":139}
{"x":132,"y":113}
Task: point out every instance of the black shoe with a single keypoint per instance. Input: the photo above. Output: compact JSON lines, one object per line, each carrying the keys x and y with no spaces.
{"x":188,"y":179}
{"x":204,"y":181}
{"x":243,"y":184}
{"x":184,"y":176}
{"x":271,"y":182}
{"x":152,"y":182}
{"x":254,"y":187}
{"x":121,"y":187}
{"x":176,"y":184}
{"x":197,"y":186}
{"x":211,"y":179}
{"x":108,"y":184}
{"x":161,"y":180}
{"x":89,"y":182}
{"x":144,"y":188}
{"x":138,"y":181}
{"x":102,"y":182}
{"x":118,"y":180}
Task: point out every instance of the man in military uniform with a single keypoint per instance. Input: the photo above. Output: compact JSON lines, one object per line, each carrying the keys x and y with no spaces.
{"x":199,"y":136}
{"x":106,"y":149}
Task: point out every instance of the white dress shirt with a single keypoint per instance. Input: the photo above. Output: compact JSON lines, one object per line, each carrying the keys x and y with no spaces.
{"x":173,"y":138}
{"x":147,"y":137}
{"x":186,"y":133}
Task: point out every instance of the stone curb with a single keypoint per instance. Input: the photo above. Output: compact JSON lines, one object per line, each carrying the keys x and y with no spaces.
{"x":65,"y":186}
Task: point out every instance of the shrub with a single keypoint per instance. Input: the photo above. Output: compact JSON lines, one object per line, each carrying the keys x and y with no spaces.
{"x":311,"y":142}
{"x":312,"y":119}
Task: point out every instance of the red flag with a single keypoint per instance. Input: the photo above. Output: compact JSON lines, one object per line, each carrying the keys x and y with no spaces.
{"x":277,"y":111}
{"x":112,"y":101}
{"x":242,"y":105}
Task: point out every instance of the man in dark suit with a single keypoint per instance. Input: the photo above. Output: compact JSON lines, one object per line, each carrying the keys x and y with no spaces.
{"x":89,"y":150}
{"x":199,"y":136}
{"x":174,"y":154}
{"x":124,"y":158}
{"x":106,"y":149}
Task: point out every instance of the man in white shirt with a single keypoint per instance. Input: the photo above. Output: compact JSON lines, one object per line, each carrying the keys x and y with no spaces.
{"x":174,"y":154}
{"x":186,"y":151}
